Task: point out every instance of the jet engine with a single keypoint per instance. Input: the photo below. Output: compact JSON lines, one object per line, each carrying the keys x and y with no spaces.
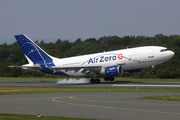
{"x":112,"y":70}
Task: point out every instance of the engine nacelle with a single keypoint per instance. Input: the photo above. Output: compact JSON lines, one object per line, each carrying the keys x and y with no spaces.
{"x":136,"y":70}
{"x":112,"y":70}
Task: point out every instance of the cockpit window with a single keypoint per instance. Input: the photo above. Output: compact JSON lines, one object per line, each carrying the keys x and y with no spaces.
{"x":163,"y":50}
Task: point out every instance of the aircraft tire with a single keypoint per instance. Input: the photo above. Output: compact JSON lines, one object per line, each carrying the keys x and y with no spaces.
{"x":92,"y":81}
{"x":111,"y":78}
{"x":97,"y":81}
{"x":153,"y":72}
{"x":106,"y":78}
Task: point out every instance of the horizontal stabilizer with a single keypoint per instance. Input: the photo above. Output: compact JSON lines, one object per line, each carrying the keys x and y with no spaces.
{"x":34,"y":67}
{"x":15,"y":66}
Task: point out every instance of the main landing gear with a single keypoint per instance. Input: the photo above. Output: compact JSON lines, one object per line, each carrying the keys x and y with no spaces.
{"x":94,"y":80}
{"x":109,"y":78}
{"x":153,"y":72}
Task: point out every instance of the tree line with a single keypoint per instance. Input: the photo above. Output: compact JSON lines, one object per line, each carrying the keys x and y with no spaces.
{"x":13,"y":55}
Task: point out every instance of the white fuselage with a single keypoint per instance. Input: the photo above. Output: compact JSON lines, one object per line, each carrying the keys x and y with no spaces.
{"x":130,"y":58}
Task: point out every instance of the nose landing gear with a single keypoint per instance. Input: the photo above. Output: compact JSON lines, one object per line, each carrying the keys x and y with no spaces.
{"x":153,"y":70}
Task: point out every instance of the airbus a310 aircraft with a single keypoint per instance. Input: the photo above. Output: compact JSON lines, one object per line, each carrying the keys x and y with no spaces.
{"x":108,"y":64}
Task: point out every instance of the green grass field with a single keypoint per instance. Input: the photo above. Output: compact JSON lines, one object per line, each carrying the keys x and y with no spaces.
{"x":28,"y":90}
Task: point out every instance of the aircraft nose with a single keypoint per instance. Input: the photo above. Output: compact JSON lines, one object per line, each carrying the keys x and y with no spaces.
{"x":171,"y":54}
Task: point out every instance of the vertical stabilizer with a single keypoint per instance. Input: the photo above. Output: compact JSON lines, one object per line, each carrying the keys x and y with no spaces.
{"x":33,"y":52}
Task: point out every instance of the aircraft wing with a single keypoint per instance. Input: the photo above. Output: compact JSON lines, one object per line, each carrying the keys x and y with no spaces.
{"x":83,"y":69}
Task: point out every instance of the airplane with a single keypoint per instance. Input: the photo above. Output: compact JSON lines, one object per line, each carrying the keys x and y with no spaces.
{"x":108,"y":64}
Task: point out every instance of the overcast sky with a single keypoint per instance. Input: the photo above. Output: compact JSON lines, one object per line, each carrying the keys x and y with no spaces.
{"x":72,"y":19}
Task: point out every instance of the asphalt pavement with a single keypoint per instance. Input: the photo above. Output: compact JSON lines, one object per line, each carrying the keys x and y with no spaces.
{"x":98,"y":105}
{"x":125,"y":105}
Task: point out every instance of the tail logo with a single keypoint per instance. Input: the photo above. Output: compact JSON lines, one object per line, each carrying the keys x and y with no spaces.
{"x":31,"y":51}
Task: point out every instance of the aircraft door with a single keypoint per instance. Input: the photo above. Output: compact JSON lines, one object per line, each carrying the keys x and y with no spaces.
{"x":150,"y":53}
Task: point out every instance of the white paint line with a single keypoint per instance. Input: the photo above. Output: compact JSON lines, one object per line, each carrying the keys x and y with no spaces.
{"x":121,"y":85}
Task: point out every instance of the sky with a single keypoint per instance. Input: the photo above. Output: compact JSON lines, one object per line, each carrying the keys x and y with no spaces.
{"x":73,"y":19}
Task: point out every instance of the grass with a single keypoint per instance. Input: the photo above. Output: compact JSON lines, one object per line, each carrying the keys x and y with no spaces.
{"x":27,"y":90}
{"x":34,"y":117}
{"x":116,"y":79}
{"x":169,"y":98}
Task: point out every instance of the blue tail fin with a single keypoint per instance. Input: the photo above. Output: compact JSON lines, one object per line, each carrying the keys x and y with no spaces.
{"x":33,"y":52}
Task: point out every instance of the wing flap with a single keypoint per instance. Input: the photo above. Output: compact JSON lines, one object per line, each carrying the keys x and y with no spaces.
{"x":83,"y":69}
{"x":86,"y":70}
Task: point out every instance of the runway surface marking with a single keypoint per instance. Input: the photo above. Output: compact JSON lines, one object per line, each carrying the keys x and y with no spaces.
{"x":73,"y":97}
{"x":56,"y":99}
{"x":120,"y":85}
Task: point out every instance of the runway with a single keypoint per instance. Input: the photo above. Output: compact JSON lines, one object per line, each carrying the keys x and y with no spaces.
{"x":126,"y":105}
{"x":102,"y":84}
{"x":98,"y":105}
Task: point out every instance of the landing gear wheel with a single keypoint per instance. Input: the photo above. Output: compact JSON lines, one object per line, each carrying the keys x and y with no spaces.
{"x":153,"y":72}
{"x":97,"y":80}
{"x":111,"y":78}
{"x":106,"y":78}
{"x":92,"y":81}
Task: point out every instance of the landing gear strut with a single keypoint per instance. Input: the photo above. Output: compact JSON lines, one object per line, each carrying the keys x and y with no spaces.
{"x":153,"y":72}
{"x":109,"y":78}
{"x":94,"y":80}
